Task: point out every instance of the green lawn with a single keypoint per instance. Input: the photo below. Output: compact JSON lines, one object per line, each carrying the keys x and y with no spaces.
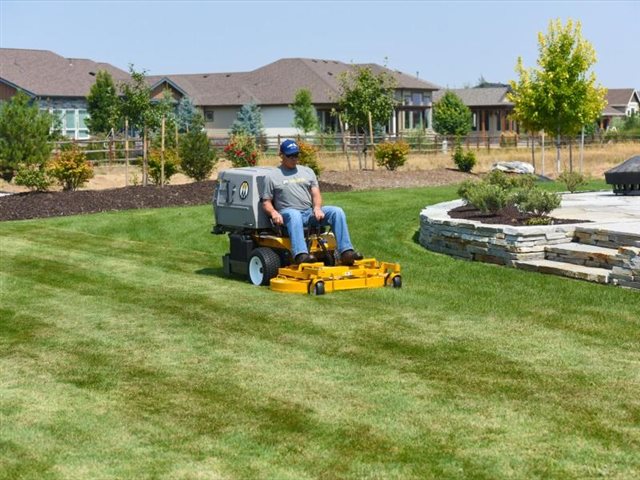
{"x":125,"y":353}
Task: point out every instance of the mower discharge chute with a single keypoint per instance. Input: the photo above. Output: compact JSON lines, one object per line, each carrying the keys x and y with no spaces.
{"x":262,"y":251}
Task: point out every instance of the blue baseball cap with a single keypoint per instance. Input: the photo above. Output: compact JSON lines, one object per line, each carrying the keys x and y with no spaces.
{"x":289,"y":147}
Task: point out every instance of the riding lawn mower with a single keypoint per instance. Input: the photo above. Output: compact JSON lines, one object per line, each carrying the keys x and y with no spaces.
{"x":262,"y":251}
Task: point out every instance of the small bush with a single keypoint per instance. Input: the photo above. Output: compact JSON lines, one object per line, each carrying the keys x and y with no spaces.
{"x":71,"y":168}
{"x":487,"y":198}
{"x":539,"y":221}
{"x":572,"y":180}
{"x":463,"y":189}
{"x":171,"y":165}
{"x":464,"y":161}
{"x":197,"y":155}
{"x":34,"y":177}
{"x":309,"y":157}
{"x":524,"y":181}
{"x":242,"y":150}
{"x":536,"y":202}
{"x":499,"y":178}
{"x":391,"y":155}
{"x":510,"y":182}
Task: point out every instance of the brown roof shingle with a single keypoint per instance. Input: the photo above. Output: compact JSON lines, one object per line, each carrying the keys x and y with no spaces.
{"x":278,"y":82}
{"x":46,"y":74}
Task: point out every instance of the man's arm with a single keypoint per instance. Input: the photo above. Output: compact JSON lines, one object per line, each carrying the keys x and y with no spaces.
{"x":272,"y":213}
{"x":316,"y":199}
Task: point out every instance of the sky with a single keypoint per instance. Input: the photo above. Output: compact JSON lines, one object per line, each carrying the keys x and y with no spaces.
{"x":451,"y":44}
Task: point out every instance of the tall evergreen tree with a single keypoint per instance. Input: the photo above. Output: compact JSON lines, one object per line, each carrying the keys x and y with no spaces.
{"x":186,"y":114}
{"x":249,"y":121}
{"x":103,"y":104}
{"x":24,"y":135}
{"x":304,"y":115}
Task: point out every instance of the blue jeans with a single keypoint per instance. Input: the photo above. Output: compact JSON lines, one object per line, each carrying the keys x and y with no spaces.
{"x":296,"y":220}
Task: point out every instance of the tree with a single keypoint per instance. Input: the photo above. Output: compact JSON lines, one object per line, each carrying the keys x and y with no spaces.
{"x":197,"y":155}
{"x":103,"y":104}
{"x":304,"y":115}
{"x":249,"y":121}
{"x":137,"y":108}
{"x":24,"y":135}
{"x":364,"y":93}
{"x":136,"y":103}
{"x":451,"y":116}
{"x":560,"y":96}
{"x":186,"y":114}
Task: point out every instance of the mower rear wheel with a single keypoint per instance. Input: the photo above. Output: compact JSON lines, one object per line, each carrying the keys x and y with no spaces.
{"x":396,"y":282}
{"x":263,"y":265}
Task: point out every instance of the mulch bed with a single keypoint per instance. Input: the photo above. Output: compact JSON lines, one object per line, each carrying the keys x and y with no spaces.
{"x":508,"y":215}
{"x":22,"y":206}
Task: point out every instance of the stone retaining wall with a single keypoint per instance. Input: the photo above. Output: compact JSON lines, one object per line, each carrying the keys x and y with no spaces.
{"x":473,"y":240}
{"x":628,"y":274}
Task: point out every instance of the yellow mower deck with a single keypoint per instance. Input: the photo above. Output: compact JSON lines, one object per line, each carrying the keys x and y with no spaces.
{"x":316,"y":278}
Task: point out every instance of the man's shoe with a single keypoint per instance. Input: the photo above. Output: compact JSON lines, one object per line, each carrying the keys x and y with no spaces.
{"x":350,"y":256}
{"x":304,"y":258}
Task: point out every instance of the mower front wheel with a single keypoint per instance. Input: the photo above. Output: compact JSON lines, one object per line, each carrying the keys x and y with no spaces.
{"x":263,"y":265}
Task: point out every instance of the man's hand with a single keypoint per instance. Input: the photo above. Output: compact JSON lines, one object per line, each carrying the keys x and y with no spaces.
{"x":318,"y":213}
{"x":276,"y":218}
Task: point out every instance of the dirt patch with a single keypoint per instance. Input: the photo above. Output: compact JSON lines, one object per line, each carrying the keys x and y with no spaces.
{"x":508,"y":215}
{"x":27,"y":205}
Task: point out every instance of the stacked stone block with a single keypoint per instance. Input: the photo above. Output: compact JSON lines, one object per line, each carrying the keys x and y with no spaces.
{"x":628,"y":273}
{"x":498,"y":244}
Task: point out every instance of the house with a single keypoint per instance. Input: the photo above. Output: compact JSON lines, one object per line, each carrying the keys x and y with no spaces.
{"x":59,"y":84}
{"x":621,"y":102}
{"x":273,"y":88}
{"x":490,"y":108}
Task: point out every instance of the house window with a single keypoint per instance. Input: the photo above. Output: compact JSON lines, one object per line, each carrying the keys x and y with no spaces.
{"x":83,"y":130}
{"x":208,"y":116}
{"x":474,"y":125}
{"x":416,"y":98}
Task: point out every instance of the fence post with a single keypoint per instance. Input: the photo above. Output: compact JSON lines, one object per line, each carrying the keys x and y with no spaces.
{"x":126,"y":152}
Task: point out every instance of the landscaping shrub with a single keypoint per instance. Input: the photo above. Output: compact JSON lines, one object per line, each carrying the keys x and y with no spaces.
{"x":536,"y":202}
{"x":464,"y":161}
{"x":572,"y":180}
{"x":391,"y":155}
{"x":32,"y":176}
{"x":171,"y":165}
{"x":242,"y":150}
{"x":70,"y":168}
{"x":309,"y":157}
{"x":510,"y":182}
{"x":463,"y":189}
{"x":486,"y":197}
{"x":197,"y":155}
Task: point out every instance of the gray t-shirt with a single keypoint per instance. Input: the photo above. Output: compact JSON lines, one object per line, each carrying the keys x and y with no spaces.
{"x":290,"y":188}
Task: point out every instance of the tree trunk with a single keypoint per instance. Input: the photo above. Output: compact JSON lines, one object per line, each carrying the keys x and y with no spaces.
{"x":570,"y":154}
{"x":558,"y":152}
{"x":533,"y":151}
{"x":145,"y":160}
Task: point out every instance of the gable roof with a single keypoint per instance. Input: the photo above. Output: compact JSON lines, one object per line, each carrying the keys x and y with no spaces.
{"x":43,"y":73}
{"x":278,"y":82}
{"x":479,"y":96}
{"x":621,"y":97}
